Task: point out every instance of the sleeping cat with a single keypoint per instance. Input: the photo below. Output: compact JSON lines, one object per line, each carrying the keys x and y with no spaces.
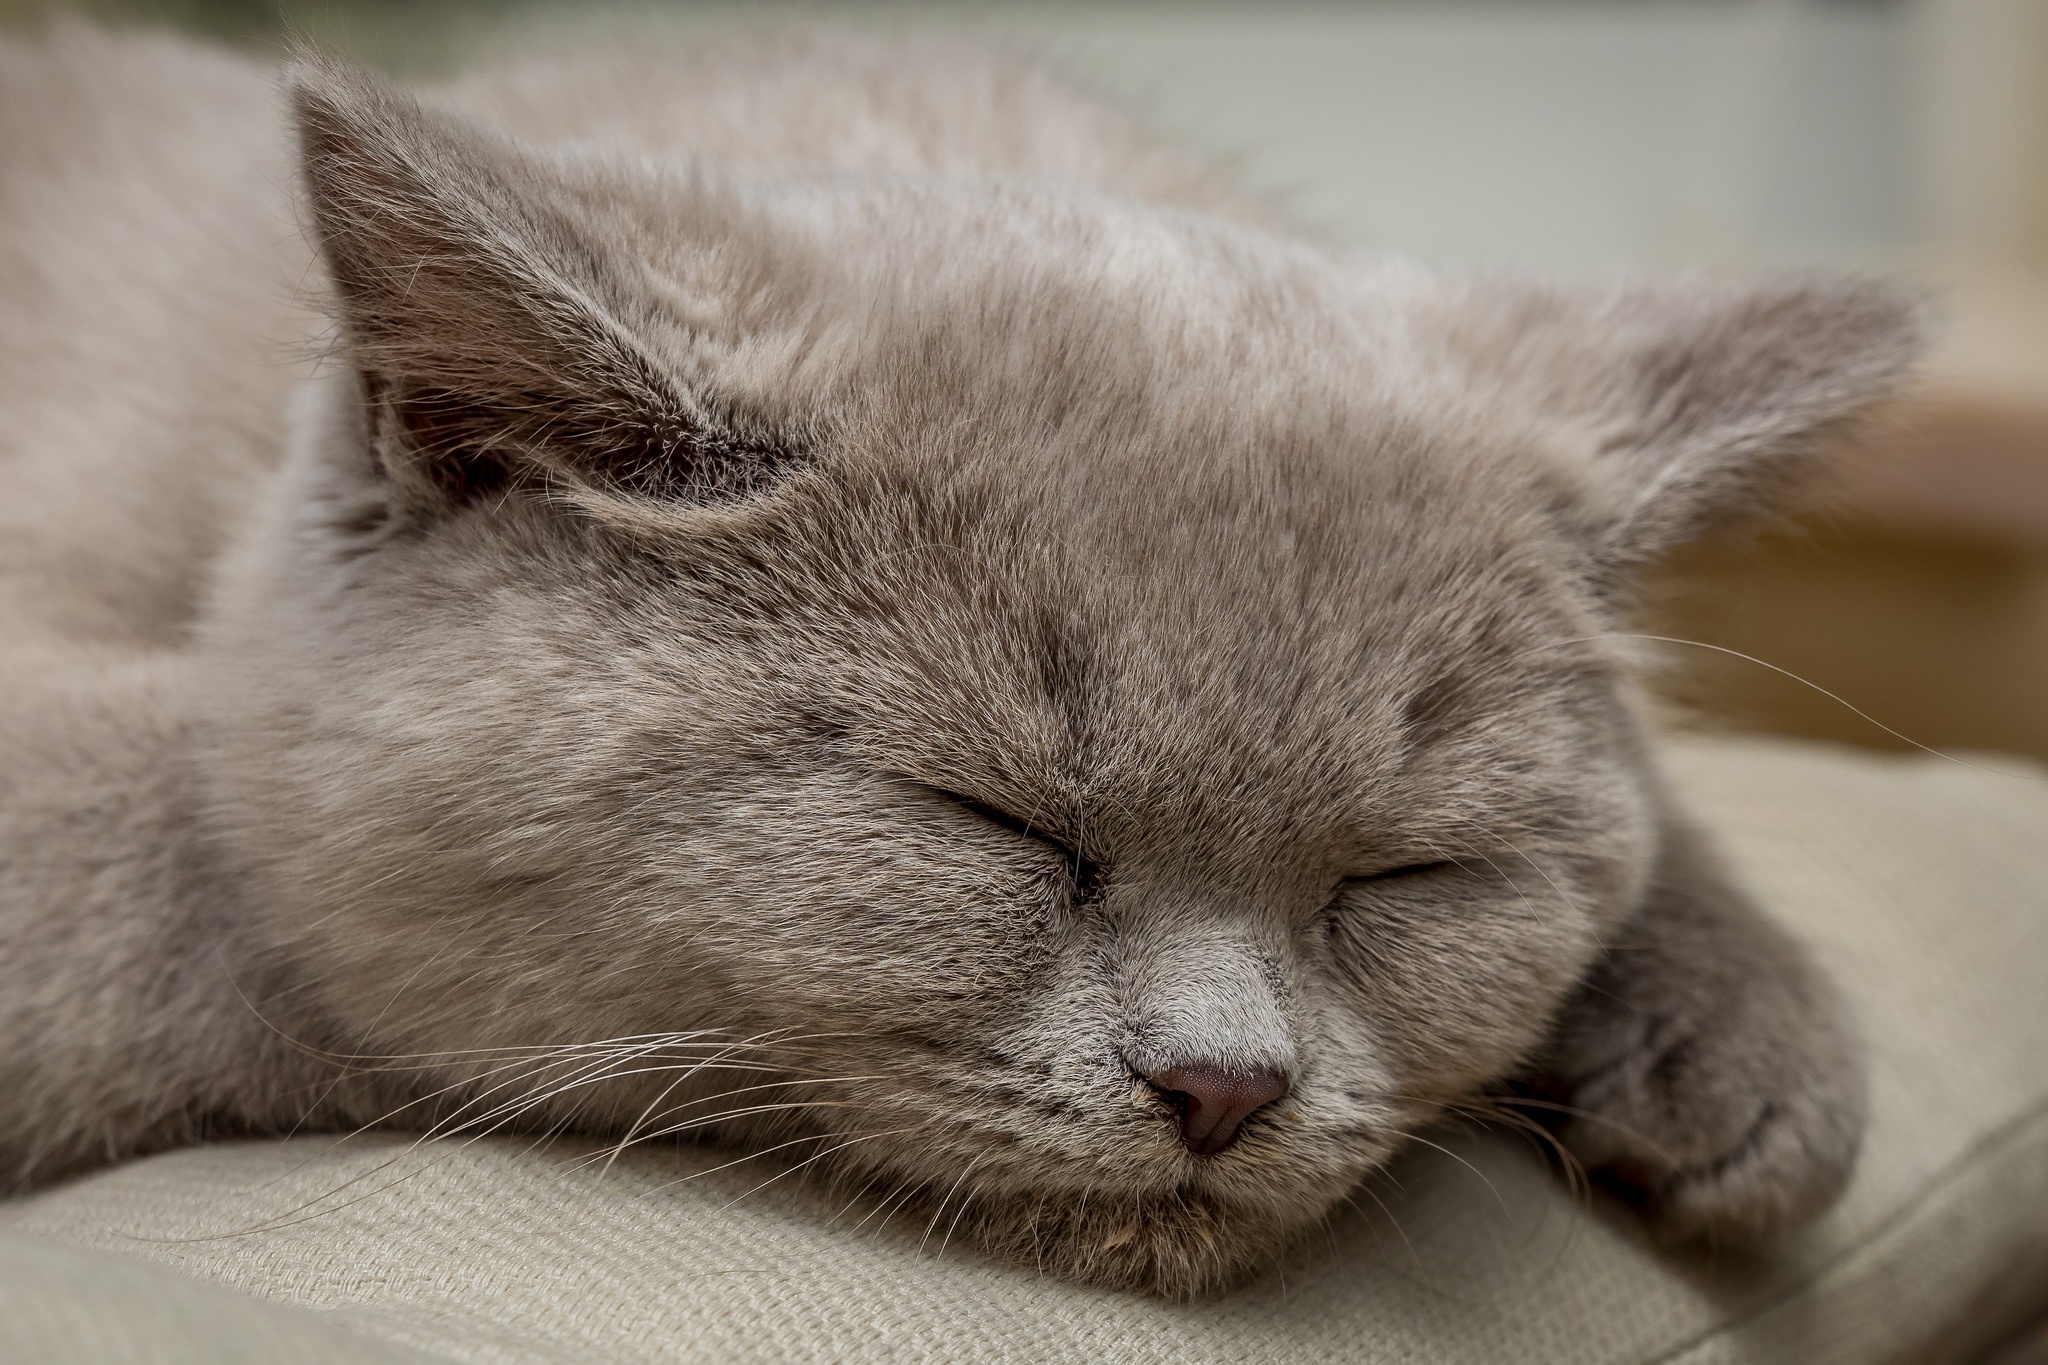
{"x":842,"y":599}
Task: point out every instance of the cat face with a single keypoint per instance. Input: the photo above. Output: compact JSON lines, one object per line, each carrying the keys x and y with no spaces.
{"x":979,"y":681}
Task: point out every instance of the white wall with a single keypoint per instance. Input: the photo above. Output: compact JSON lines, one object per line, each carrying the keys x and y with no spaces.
{"x":1573,"y":137}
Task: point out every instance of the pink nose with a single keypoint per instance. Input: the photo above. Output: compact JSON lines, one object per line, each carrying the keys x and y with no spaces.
{"x":1213,"y":1102}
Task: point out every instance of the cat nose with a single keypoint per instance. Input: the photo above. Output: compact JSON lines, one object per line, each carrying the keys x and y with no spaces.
{"x":1214,"y":1102}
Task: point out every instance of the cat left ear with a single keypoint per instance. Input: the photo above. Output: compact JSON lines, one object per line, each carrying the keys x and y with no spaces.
{"x":495,"y":331}
{"x":1688,"y":406}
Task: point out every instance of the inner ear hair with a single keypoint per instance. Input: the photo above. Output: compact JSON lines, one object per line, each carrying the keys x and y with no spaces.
{"x":494,"y":330}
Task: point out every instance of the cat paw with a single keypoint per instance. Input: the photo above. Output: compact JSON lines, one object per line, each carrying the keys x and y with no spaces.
{"x":1727,"y":1104}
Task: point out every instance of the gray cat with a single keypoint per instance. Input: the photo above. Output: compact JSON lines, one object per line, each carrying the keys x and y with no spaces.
{"x":844,"y":599}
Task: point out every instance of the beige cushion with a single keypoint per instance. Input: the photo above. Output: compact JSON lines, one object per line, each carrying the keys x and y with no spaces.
{"x":1922,"y":882}
{"x":64,"y":1304}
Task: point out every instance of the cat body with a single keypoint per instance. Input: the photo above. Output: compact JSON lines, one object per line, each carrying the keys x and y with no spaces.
{"x":841,"y":598}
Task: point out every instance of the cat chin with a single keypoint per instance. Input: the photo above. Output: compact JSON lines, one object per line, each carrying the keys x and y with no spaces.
{"x":1178,"y":1246}
{"x":1176,"y":1235}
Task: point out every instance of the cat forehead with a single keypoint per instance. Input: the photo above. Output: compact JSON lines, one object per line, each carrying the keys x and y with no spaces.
{"x":1205,"y":631}
{"x":808,"y":289}
{"x":1299,"y":696}
{"x":1163,"y":431}
{"x":1156,"y":428}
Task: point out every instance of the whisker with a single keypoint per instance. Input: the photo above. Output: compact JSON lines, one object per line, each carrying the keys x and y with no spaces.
{"x":865,"y":1186}
{"x":941,"y":1210}
{"x":1577,"y":1182}
{"x":1562,"y":894}
{"x":903,"y":1196}
{"x":634,"y":1127}
{"x":1590,"y":1116}
{"x":1491,"y":1188}
{"x":828,"y":1151}
{"x":947,"y":1240}
{"x":1513,"y":885}
{"x":1806,"y":682}
{"x":707,"y":1120}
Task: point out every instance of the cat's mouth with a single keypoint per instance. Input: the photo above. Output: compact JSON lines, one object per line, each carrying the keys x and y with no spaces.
{"x":1178,"y":1242}
{"x":1138,"y":1209}
{"x":1173,"y":1184}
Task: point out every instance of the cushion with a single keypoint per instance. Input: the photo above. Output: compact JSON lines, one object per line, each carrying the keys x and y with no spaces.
{"x":60,"y":1303}
{"x":1922,"y":882}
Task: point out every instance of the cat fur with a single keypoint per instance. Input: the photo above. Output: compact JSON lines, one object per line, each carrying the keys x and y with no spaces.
{"x":503,"y":587}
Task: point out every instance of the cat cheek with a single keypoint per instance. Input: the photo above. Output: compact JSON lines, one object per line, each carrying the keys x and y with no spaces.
{"x":1451,"y":985}
{"x":887,"y":929}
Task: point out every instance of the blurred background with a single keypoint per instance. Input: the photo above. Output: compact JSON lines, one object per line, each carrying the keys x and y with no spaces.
{"x":1584,"y":138}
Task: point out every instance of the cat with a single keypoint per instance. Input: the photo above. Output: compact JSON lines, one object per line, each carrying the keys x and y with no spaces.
{"x":837,"y":597}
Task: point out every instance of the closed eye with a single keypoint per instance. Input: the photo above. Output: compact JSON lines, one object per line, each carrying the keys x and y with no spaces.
{"x":1086,"y":872}
{"x":1405,"y":870}
{"x":1396,"y":875}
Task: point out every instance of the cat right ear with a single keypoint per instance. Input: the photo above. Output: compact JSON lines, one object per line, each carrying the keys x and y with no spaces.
{"x":492,"y":326}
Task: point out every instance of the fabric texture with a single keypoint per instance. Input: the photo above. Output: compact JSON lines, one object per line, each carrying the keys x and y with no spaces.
{"x":65,"y":1305}
{"x":1921,"y":882}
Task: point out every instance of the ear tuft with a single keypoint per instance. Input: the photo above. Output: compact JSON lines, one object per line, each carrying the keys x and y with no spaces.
{"x":497,"y":337}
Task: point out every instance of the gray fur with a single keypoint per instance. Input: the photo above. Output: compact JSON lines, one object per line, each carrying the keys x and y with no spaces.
{"x":814,"y":430}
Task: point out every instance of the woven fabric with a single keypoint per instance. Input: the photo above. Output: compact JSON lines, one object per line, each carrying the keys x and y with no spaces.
{"x":62,"y":1305}
{"x":1922,"y":883}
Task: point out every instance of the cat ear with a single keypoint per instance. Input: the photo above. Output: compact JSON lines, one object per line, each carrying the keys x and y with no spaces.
{"x":1688,"y":406}
{"x":493,"y":331}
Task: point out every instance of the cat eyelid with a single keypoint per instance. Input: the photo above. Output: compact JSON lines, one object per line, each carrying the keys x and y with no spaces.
{"x":1087,"y":873}
{"x":997,"y":816}
{"x":1396,"y":874}
{"x":1404,"y":870}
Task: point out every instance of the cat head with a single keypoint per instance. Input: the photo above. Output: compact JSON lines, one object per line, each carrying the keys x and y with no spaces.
{"x":1073,"y":708}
